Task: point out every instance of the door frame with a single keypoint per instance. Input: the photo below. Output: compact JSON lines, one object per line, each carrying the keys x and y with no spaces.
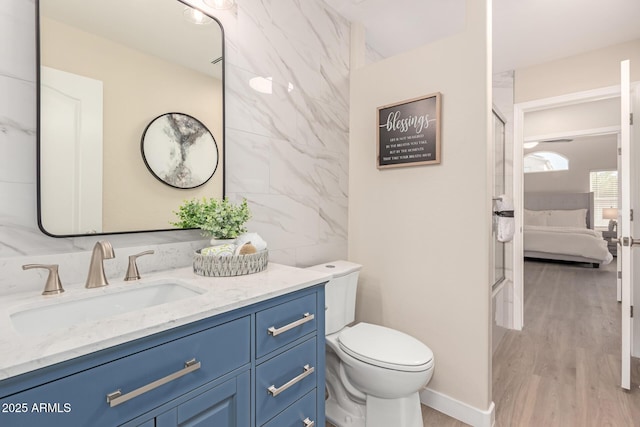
{"x":519,"y":111}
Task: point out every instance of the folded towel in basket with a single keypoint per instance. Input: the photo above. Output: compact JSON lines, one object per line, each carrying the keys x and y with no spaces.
{"x":226,"y":249}
{"x":504,"y":221}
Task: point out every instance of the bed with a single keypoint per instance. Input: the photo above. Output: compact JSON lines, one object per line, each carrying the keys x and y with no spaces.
{"x":559,"y":226}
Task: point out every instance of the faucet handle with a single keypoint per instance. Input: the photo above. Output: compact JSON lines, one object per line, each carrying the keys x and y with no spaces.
{"x":53,"y":285}
{"x":132,"y":270}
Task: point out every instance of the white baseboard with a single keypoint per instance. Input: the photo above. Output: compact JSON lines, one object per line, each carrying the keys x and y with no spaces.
{"x":458,"y":410}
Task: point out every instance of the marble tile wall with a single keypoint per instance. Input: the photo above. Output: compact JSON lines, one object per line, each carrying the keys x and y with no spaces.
{"x":287,"y":151}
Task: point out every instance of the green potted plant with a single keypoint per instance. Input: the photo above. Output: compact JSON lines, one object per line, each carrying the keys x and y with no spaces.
{"x":219,"y":219}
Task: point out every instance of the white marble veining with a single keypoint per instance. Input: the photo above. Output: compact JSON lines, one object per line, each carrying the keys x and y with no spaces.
{"x":372,"y":55}
{"x":300,"y":208}
{"x":74,"y":266}
{"x":304,"y":48}
{"x":304,"y":171}
{"x":17,"y":131}
{"x":247,"y":163}
{"x":283,"y":220}
{"x":23,"y":353}
{"x":18,"y":40}
{"x":290,"y":40}
{"x":268,"y":114}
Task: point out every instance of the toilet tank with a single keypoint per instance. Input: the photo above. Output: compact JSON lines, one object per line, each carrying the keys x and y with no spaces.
{"x":340,"y":293}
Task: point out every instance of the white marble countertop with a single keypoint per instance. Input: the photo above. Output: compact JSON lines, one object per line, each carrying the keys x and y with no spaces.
{"x":20,"y":353}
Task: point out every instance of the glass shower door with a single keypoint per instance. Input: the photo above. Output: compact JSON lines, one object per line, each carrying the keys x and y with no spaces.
{"x":498,"y":189}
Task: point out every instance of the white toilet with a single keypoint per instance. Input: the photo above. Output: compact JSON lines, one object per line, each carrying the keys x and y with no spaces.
{"x":373,"y":373}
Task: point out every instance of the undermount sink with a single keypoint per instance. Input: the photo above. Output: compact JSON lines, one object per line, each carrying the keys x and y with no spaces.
{"x":62,"y":315}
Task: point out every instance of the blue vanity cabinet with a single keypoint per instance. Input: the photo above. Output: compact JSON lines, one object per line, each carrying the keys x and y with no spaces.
{"x":225,"y":405}
{"x":144,"y":379}
{"x":284,"y":323}
{"x":301,"y":414}
{"x":214,"y":372}
{"x":290,"y":363}
{"x":283,"y":380}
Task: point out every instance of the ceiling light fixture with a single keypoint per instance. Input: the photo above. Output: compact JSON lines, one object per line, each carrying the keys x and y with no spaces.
{"x":220,"y":4}
{"x":529,"y":145}
{"x":195,"y":16}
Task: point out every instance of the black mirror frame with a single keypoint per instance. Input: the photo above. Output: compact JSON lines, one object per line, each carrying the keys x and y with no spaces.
{"x":38,"y":139}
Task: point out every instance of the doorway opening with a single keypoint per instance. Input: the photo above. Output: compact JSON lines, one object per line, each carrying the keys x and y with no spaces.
{"x":528,"y":129}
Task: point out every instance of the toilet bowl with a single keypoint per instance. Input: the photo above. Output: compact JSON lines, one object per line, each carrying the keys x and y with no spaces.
{"x":373,"y":373}
{"x":376,"y":376}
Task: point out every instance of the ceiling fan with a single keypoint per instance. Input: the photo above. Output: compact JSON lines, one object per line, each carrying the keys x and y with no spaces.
{"x":558,"y":140}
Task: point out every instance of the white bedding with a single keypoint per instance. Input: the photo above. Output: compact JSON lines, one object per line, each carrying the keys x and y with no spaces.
{"x":582,"y":242}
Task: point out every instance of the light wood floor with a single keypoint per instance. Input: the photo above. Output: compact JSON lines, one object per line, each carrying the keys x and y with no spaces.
{"x":563,"y":369}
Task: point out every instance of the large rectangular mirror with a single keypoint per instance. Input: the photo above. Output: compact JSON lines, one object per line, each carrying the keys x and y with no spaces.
{"x":107,"y":70}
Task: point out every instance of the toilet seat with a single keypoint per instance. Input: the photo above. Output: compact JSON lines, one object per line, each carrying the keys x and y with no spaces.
{"x":385,"y":347}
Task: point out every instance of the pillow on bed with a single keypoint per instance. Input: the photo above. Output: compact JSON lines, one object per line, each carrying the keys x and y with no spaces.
{"x":538,"y":218}
{"x":567,"y":218}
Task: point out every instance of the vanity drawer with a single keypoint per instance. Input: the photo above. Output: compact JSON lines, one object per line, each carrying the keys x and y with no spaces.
{"x":285,"y":323}
{"x":284,"y":379}
{"x":218,"y":350}
{"x":300,"y":414}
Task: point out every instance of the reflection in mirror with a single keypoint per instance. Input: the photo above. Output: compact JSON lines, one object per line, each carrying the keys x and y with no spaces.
{"x":107,"y":70}
{"x":179,"y":150}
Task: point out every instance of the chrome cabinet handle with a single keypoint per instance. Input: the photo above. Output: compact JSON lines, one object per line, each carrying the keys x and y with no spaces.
{"x":308,"y":423}
{"x":275,"y":332}
{"x":116,"y":398}
{"x":274,"y":391}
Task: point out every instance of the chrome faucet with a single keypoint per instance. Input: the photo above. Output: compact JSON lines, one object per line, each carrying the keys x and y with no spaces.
{"x":132,"y":270}
{"x":96,"y":277}
{"x":53,"y":285}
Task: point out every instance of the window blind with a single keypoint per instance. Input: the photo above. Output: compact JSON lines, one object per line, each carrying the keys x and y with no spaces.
{"x":604,"y":185}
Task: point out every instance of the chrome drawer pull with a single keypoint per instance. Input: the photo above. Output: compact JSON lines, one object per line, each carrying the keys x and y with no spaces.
{"x":274,"y":391}
{"x":306,"y":318}
{"x":308,"y":423}
{"x":116,"y":398}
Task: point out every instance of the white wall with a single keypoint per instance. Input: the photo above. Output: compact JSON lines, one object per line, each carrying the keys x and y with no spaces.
{"x":588,"y":71}
{"x":422,"y":232}
{"x":564,"y":120}
{"x":585,"y":155}
{"x":286,"y":152}
{"x":595,"y":69}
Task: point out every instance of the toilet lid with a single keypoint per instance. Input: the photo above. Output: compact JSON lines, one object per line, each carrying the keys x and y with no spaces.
{"x":385,"y":347}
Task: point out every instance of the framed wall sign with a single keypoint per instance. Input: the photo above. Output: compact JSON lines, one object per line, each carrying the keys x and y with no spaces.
{"x":409,"y":132}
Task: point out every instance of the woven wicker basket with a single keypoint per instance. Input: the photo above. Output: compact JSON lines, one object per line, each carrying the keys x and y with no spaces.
{"x":236,"y":265}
